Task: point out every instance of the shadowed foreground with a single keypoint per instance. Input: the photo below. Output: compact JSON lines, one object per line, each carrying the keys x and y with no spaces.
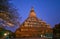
{"x":28,"y":38}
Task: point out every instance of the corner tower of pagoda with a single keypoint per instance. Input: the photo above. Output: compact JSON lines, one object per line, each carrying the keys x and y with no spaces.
{"x":32,"y":13}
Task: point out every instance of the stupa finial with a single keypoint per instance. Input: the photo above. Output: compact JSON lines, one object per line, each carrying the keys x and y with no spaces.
{"x":32,"y":13}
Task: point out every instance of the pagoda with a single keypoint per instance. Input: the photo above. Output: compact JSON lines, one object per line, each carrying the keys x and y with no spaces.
{"x":33,"y":27}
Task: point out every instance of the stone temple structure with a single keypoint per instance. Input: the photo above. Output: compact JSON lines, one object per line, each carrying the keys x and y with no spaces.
{"x":33,"y":27}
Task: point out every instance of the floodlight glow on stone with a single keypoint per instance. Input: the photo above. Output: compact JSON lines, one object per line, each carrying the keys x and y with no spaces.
{"x":5,"y":34}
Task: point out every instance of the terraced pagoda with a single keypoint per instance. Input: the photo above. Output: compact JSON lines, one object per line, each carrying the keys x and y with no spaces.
{"x":33,"y":27}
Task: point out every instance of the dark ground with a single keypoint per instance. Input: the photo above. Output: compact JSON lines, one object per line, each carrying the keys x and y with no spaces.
{"x":28,"y":38}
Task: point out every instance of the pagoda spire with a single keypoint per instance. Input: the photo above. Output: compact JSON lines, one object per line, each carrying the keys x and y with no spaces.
{"x":32,"y":13}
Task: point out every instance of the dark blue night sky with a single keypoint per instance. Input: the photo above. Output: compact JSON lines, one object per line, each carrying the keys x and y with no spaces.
{"x":47,"y":10}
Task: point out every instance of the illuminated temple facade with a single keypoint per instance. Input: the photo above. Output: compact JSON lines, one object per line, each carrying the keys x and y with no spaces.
{"x":33,"y":27}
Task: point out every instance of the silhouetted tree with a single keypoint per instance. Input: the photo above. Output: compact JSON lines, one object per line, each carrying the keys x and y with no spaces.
{"x":8,"y":15}
{"x":4,"y":5}
{"x":56,"y":31}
